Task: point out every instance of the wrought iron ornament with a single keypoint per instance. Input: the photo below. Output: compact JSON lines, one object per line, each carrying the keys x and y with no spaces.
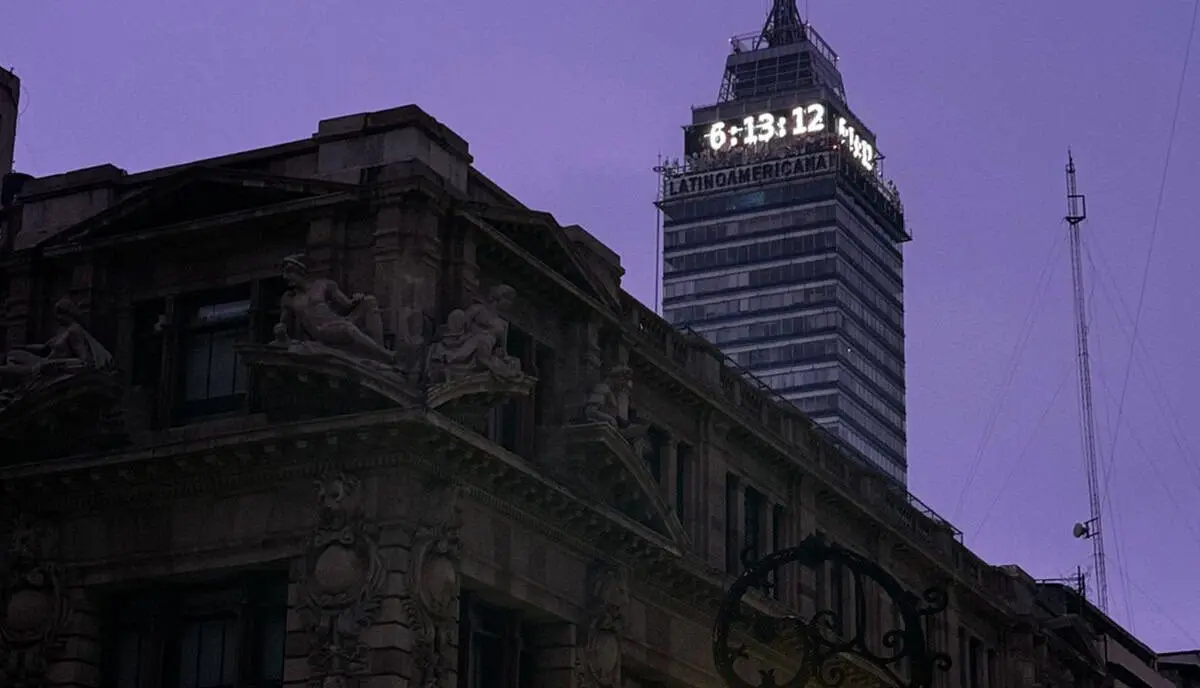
{"x":816,"y":640}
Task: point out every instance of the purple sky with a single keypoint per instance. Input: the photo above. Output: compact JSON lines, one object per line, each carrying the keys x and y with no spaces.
{"x":974,"y":104}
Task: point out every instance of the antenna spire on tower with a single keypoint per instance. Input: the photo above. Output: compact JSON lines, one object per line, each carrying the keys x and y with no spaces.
{"x":784,"y":25}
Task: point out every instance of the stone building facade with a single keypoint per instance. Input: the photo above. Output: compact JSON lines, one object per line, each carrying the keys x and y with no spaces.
{"x":342,"y":412}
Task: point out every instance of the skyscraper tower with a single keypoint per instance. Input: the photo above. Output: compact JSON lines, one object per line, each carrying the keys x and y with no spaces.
{"x":782,"y":239}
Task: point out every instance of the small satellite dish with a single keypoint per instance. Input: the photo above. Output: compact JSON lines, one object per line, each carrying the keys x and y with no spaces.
{"x":1080,"y":530}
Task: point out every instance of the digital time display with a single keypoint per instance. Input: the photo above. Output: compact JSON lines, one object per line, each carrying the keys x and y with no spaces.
{"x":782,"y":126}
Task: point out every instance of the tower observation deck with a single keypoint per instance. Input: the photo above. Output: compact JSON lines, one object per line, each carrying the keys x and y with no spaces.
{"x":782,"y":239}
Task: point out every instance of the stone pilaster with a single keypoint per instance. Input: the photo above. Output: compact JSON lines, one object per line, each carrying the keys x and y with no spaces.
{"x":710,"y":496}
{"x":555,"y":655}
{"x":323,"y":247}
{"x":123,"y":351}
{"x":736,"y":531}
{"x":391,"y":639}
{"x":460,"y":284}
{"x":407,"y":252}
{"x":77,"y":657}
{"x":295,"y":654}
{"x":17,"y":305}
{"x":670,"y":471}
{"x":86,"y":281}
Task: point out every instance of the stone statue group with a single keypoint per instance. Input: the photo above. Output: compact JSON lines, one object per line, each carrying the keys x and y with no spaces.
{"x":315,"y":315}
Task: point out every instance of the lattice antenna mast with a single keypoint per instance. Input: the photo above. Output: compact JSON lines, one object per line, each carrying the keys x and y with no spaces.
{"x":1090,"y":529}
{"x":784,"y":25}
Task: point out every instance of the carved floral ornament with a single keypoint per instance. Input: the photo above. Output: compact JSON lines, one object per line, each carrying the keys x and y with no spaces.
{"x":33,"y":605}
{"x":466,"y":356}
{"x":343,"y":582}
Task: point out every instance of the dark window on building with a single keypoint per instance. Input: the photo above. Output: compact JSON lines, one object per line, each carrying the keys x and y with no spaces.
{"x":753,"y":506}
{"x":503,"y":426}
{"x":974,"y":661}
{"x":991,"y":670}
{"x":544,"y":391}
{"x":226,"y":636}
{"x":934,"y":641}
{"x":148,"y":317}
{"x":837,"y":595}
{"x":513,"y":423}
{"x":776,"y":540}
{"x":654,"y":451}
{"x":683,"y":473}
{"x":212,"y":377}
{"x":963,"y":674}
{"x":268,"y":299}
{"x":489,"y":646}
{"x":732,"y":560}
{"x":821,"y":588}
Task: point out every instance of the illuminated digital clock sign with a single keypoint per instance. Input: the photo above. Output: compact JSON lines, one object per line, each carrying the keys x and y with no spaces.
{"x":785,"y":126}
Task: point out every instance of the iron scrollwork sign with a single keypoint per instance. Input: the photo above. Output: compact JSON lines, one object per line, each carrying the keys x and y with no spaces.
{"x":816,"y":640}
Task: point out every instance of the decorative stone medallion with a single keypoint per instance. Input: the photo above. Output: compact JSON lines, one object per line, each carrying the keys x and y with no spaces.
{"x":33,"y":605}
{"x":608,"y":598}
{"x":343,"y":580}
{"x":433,"y":585}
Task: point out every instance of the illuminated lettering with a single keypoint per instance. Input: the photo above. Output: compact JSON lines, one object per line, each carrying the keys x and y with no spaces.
{"x":802,"y":121}
{"x":716,"y":136}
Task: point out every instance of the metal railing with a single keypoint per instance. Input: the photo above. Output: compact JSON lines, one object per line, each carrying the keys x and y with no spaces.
{"x":749,"y":42}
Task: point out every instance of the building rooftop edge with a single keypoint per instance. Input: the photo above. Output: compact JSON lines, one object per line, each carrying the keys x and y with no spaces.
{"x":329,"y":129}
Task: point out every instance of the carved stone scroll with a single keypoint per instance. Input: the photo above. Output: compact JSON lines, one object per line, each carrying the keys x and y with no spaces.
{"x":433,"y":585}
{"x":608,"y":598}
{"x":34,"y":606}
{"x":343,"y":583}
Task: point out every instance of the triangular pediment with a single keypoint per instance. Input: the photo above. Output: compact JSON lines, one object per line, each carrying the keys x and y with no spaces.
{"x":543,"y":238}
{"x":195,"y":193}
{"x":602,"y":463}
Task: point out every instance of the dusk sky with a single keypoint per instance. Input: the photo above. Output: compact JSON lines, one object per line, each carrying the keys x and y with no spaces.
{"x":568,"y":104}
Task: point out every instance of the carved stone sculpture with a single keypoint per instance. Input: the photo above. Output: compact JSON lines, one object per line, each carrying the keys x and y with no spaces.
{"x":608,"y":403}
{"x":315,"y":310}
{"x":34,"y":607}
{"x":476,"y":341}
{"x":602,"y":403}
{"x":608,"y":598}
{"x":344,"y":579}
{"x":71,"y":350}
{"x":433,"y":585}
